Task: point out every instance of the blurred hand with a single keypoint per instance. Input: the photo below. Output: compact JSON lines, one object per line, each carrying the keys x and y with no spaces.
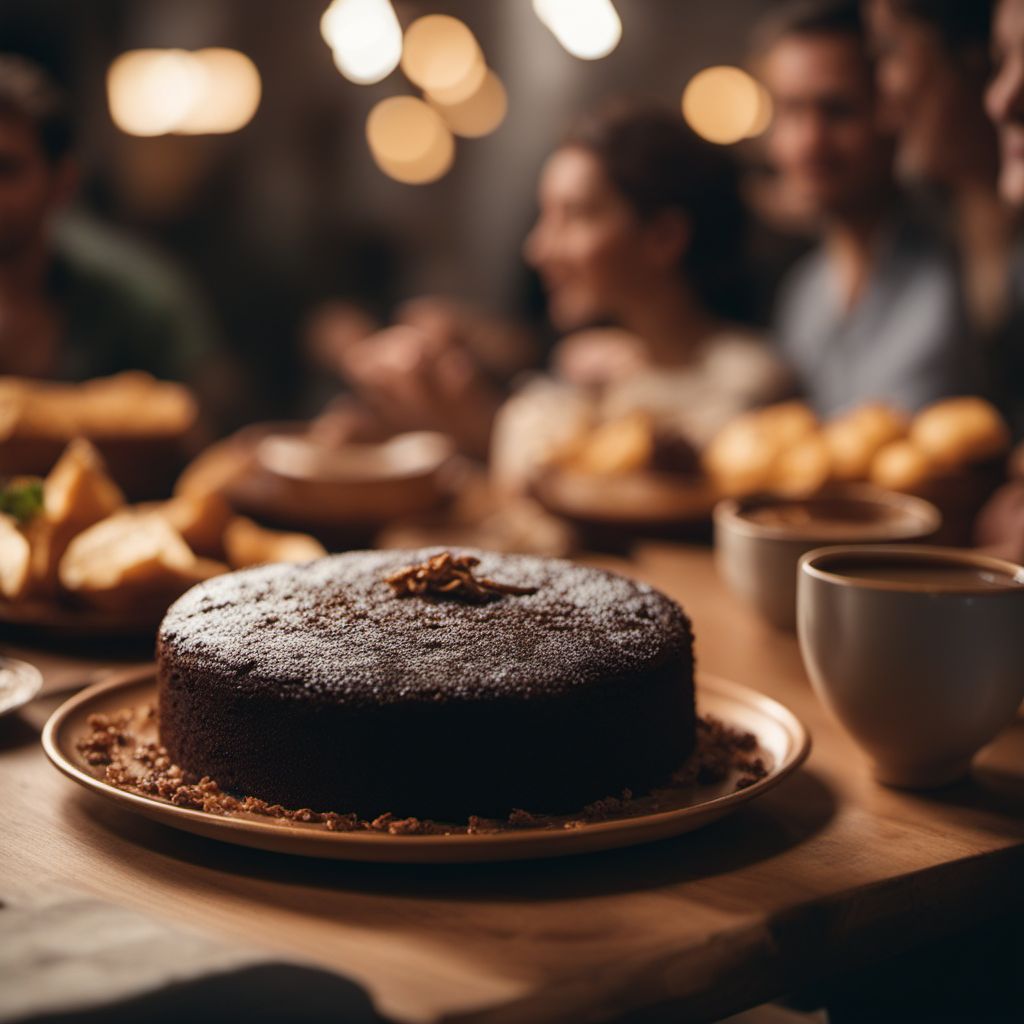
{"x":412,"y":379}
{"x":500,"y":348}
{"x":331,"y":329}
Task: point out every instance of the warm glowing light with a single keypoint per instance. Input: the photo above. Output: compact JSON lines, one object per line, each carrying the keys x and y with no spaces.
{"x":469,"y":86}
{"x":588,"y":29}
{"x":724,"y":104}
{"x":765,"y":112}
{"x":365,"y":38}
{"x":150,"y":92}
{"x":409,"y":140}
{"x":157,"y":92}
{"x":441,"y":54}
{"x":478,"y":115}
{"x":229,"y":96}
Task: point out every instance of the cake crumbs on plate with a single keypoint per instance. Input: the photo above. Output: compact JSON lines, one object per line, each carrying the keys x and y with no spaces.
{"x":136,"y":765}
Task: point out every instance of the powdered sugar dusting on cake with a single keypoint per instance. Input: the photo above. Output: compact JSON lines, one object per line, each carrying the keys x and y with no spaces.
{"x":334,"y":629}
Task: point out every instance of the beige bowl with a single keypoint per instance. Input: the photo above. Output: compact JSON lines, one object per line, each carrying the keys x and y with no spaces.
{"x":759,"y":540}
{"x":921,"y":674}
{"x":294,"y":482}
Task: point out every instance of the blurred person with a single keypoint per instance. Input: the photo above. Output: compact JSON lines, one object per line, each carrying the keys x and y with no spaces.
{"x":875,"y":311}
{"x":639,"y":247}
{"x":77,"y":300}
{"x":932,"y":68}
{"x":1004,"y":102}
{"x":1000,"y":527}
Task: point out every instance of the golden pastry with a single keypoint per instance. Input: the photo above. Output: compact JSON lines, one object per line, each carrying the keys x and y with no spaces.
{"x":741,"y":458}
{"x":621,"y":445}
{"x":201,"y":518}
{"x":247,"y":543}
{"x":901,"y":466}
{"x":854,"y":438}
{"x":15,"y":559}
{"x":802,"y":469}
{"x":958,"y":431}
{"x":131,"y":560}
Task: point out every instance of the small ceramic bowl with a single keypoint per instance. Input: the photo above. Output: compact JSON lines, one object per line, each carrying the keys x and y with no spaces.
{"x":294,"y":483}
{"x":922,"y":672}
{"x":759,"y":540}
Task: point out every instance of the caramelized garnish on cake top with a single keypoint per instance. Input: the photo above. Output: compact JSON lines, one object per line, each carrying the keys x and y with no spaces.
{"x":448,"y":575}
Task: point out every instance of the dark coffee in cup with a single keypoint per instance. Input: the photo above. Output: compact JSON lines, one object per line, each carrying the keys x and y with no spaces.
{"x":923,"y":574}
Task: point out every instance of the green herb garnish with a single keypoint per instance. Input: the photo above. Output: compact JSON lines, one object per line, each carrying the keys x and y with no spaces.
{"x":22,"y":498}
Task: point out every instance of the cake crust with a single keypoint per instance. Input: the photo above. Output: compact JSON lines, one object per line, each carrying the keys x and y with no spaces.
{"x":317,"y":686}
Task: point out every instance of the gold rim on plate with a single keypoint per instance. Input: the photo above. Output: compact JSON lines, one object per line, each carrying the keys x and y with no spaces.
{"x":781,"y":736}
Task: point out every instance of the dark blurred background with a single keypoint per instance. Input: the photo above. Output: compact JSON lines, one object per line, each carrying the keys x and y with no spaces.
{"x":290,"y":211}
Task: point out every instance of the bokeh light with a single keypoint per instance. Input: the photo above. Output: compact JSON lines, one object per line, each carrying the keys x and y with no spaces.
{"x":479,"y":114}
{"x":409,"y":141}
{"x":159,"y":92}
{"x":150,"y":92}
{"x":724,"y":104}
{"x":588,"y":29}
{"x":441,"y":54}
{"x":229,"y":96}
{"x":765,"y":112}
{"x":464,"y":89}
{"x":365,"y":38}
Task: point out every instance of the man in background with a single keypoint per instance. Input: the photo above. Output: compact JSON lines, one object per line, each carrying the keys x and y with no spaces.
{"x":874,"y":312}
{"x":77,"y":300}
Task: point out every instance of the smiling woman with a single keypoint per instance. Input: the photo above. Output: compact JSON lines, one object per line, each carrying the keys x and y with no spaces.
{"x":641,"y":229}
{"x":635,"y":208}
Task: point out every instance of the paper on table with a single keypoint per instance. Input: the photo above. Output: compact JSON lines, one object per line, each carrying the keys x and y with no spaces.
{"x":74,"y":955}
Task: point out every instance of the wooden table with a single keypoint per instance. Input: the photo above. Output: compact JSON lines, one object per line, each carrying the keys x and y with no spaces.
{"x":828,"y":871}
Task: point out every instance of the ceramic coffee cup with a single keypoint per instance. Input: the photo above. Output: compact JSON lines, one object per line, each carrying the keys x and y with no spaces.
{"x":918,"y":651}
{"x":759,"y":540}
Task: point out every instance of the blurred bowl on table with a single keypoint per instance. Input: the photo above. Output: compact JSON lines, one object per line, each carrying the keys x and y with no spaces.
{"x":342,"y":494}
{"x":610,"y":510}
{"x":759,"y":540}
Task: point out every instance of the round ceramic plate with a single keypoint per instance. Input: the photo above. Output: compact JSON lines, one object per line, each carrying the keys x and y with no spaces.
{"x":19,"y":683}
{"x":783,"y":744}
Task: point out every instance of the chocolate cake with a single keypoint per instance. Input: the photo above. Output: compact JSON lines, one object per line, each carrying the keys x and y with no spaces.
{"x":449,"y":689}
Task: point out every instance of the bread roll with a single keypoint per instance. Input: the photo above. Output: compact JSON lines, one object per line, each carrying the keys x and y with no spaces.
{"x":787,"y":422}
{"x":901,"y":466}
{"x":958,"y":431}
{"x":742,"y":457}
{"x":803,"y":469}
{"x":622,"y":445}
{"x":854,"y":439}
